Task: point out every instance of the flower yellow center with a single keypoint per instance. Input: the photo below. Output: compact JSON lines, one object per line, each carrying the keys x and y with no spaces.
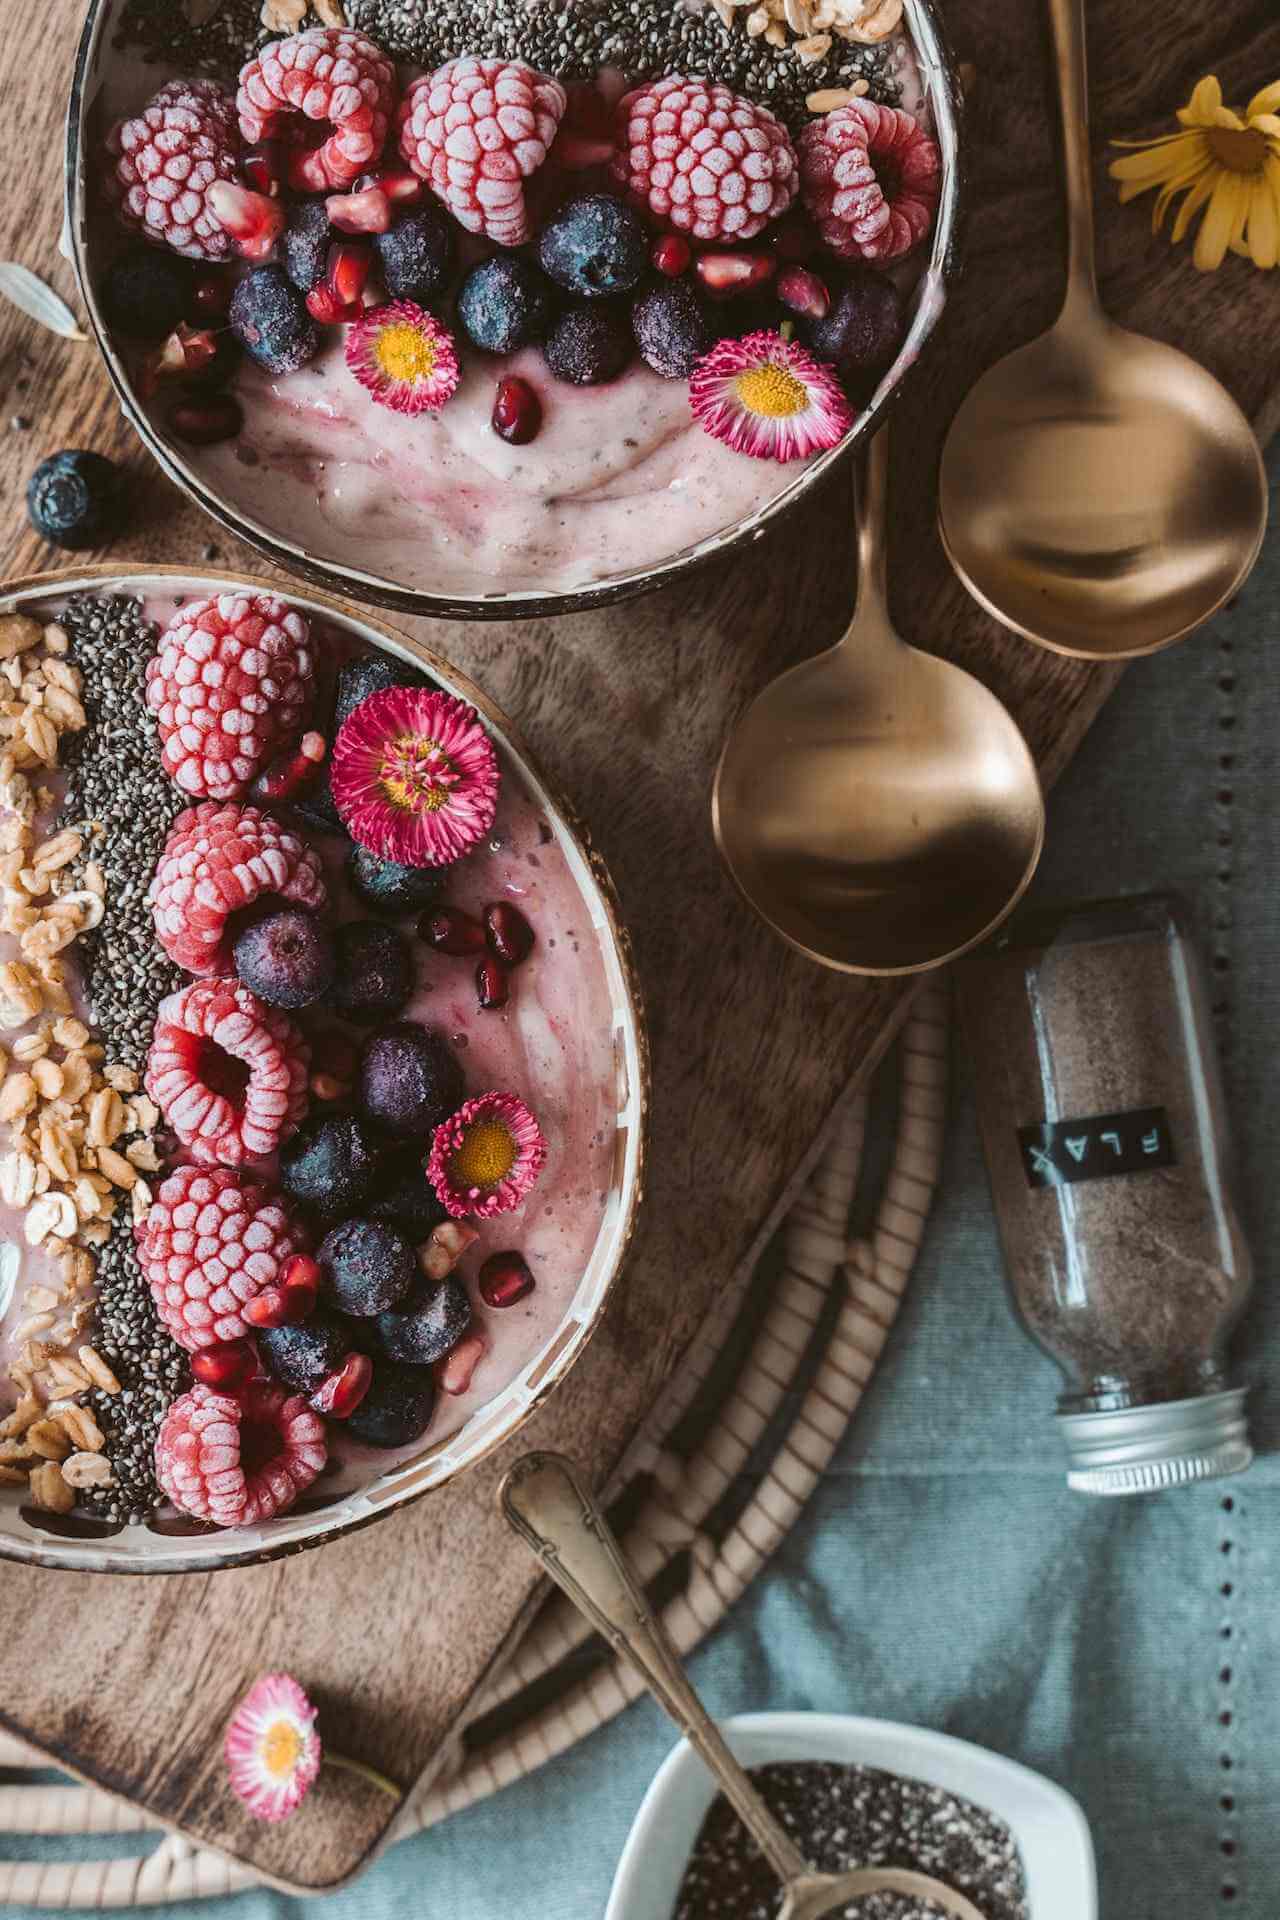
{"x":772,"y":391}
{"x":416,"y":774}
{"x":405,"y":353}
{"x":486,"y":1155}
{"x":281,"y":1748}
{"x":1239,"y":149}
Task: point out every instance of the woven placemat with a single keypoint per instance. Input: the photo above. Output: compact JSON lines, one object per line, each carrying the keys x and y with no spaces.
{"x":774,"y":1376}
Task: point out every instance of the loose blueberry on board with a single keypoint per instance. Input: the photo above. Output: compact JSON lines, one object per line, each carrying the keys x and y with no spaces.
{"x":671,"y":328}
{"x":286,"y":957}
{"x":863,"y":330}
{"x":371,"y":673}
{"x":408,"y":1081}
{"x":329,"y":1166}
{"x":73,"y":499}
{"x":594,"y":247}
{"x":506,"y":303}
{"x":416,"y":255}
{"x":432,"y":1318}
{"x":388,"y":887}
{"x":305,"y":245}
{"x":146,"y":293}
{"x":589,"y":345}
{"x":270,"y":320}
{"x":397,"y":1407}
{"x":373,"y":976}
{"x":366,"y":1267}
{"x":404,"y":1197}
{"x":303,"y":1353}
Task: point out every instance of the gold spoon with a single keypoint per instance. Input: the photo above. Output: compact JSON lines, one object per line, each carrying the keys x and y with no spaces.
{"x":556,"y":1517}
{"x":1100,"y":493}
{"x":876,"y":805}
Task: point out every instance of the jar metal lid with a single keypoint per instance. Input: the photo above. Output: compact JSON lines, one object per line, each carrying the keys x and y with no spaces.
{"x":1170,"y":1444}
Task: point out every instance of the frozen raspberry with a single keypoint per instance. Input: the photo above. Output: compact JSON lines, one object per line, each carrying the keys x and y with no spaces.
{"x":239,"y":1460}
{"x":228,"y":1073}
{"x":476,"y":130}
{"x":703,"y":159}
{"x":871,"y":179}
{"x":213,"y":1240}
{"x":165,"y":159}
{"x":329,"y":75}
{"x":230,"y":681}
{"x":217,"y":861}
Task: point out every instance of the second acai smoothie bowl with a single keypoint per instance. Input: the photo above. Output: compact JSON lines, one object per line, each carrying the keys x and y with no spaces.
{"x":508,"y":308}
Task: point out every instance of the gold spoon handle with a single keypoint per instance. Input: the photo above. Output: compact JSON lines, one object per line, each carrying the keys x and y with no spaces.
{"x":1066,"y":17}
{"x":558,"y":1520}
{"x":870,"y":515}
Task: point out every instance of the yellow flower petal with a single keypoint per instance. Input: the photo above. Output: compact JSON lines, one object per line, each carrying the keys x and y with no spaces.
{"x":1202,"y":108}
{"x":1267,"y":101}
{"x":1264,"y":229}
{"x":1156,"y":163}
{"x":1217,"y":227}
{"x":1191,"y":206}
{"x":1268,"y":123}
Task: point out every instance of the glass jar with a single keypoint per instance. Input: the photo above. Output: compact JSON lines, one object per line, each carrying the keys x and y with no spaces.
{"x":1102,"y":1117}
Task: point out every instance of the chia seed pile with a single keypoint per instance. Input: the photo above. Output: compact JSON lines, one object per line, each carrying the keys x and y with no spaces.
{"x":115,"y":781}
{"x":571,"y":39}
{"x":843,"y":1817}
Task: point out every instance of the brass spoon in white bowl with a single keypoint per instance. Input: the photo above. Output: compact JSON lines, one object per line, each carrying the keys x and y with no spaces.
{"x":546,"y":1503}
{"x":1100,"y":493}
{"x":876,"y":805}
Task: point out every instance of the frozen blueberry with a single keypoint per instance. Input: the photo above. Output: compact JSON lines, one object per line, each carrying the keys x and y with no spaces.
{"x":595,"y":246}
{"x":305,"y":245}
{"x":305,"y":1353}
{"x":329,"y":1166}
{"x":397,"y":1407}
{"x":270,"y":320}
{"x":431,"y":1318}
{"x":589,"y":345}
{"x":404,"y":1197}
{"x":371,"y":673}
{"x":390,"y":888}
{"x":286,"y":957}
{"x":73,"y":499}
{"x":316,"y":804}
{"x":408,"y":1081}
{"x":416,"y":255}
{"x":505,"y":303}
{"x":146,"y":293}
{"x":373,"y":973}
{"x":366,"y":1266}
{"x":671,"y":328}
{"x":864,"y":328}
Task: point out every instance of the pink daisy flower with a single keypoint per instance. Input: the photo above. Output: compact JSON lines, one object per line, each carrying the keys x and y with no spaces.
{"x":403,"y":355}
{"x":272,"y":1747}
{"x":766,"y":396}
{"x":485,"y":1159}
{"x":415,"y":777}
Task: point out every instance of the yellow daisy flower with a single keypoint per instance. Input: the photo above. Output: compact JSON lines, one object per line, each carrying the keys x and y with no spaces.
{"x":1227,"y":165}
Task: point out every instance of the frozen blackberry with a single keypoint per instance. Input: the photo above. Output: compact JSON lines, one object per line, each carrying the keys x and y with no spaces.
{"x":671,"y":328}
{"x":305,"y":244}
{"x":366,"y":1267}
{"x":594,"y":247}
{"x":329,"y":1166}
{"x":416,"y":255}
{"x":397,"y":1407}
{"x":589,"y":345}
{"x":864,"y":329}
{"x":73,"y":499}
{"x":408,"y":1081}
{"x":286,"y":957}
{"x":505,"y":303}
{"x":371,"y":673}
{"x":430,"y":1319}
{"x":373,"y":972}
{"x":302,"y":1354}
{"x":146,"y":293}
{"x":270,"y":320}
{"x":388,"y":887}
{"x":404,"y":1197}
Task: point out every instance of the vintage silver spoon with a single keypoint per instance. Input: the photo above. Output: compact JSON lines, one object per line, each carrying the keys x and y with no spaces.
{"x":544,"y":1500}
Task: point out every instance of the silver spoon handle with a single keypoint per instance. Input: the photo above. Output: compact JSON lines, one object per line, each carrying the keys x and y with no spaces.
{"x":1066,"y":17}
{"x":559,"y":1521}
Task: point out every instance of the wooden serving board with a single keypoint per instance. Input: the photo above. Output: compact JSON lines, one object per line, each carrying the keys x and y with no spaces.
{"x":129,"y":1682}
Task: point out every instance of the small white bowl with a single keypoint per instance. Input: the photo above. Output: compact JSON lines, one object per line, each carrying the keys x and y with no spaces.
{"x":1051,"y":1831}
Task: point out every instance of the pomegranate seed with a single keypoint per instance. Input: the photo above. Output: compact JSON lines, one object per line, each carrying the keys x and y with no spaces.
{"x":185,"y":355}
{"x":263,"y":166}
{"x":517,"y":411}
{"x":454,"y":1373}
{"x":291,"y":771}
{"x":228,"y":1367}
{"x":671,"y":255}
{"x":253,"y":221}
{"x":341,"y":1393}
{"x":449,"y":930}
{"x":793,"y":239}
{"x":802,"y":292}
{"x":346,"y":270}
{"x":444,"y":1247}
{"x":211,"y":294}
{"x":509,"y":934}
{"x":367,"y":212}
{"x":300,"y":1284}
{"x":504,"y":1279}
{"x":329,"y":311}
{"x":201,"y":423}
{"x":303,"y":170}
{"x":267,"y":1309}
{"x":492,"y":985}
{"x":728,"y":273}
{"x":576,"y":152}
{"x":403,"y":189}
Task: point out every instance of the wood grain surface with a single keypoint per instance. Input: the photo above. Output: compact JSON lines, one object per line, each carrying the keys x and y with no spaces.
{"x":129,"y":1681}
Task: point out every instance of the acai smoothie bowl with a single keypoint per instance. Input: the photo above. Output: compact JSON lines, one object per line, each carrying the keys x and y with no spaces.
{"x":509,"y":308}
{"x":322,"y":1073}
